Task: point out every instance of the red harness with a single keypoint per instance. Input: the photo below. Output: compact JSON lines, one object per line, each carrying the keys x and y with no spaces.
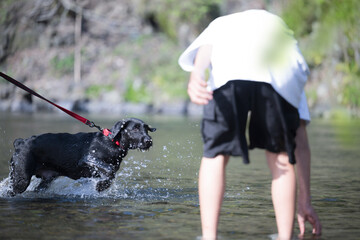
{"x":106,"y":132}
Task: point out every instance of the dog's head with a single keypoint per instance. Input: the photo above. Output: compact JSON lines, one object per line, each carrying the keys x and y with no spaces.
{"x":132,"y":133}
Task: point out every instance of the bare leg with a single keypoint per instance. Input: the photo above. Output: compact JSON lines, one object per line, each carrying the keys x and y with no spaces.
{"x":305,"y":210}
{"x":211,"y":193}
{"x":283,"y":191}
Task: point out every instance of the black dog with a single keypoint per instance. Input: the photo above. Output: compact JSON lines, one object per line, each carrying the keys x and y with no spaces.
{"x":94,"y":154}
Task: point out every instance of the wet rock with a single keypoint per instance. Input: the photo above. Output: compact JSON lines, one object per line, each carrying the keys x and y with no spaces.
{"x":194,"y":110}
{"x":22,"y":103}
{"x":140,"y":108}
{"x":81,"y":105}
{"x":179,"y":108}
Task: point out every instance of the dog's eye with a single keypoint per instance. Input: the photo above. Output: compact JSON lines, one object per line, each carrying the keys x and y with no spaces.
{"x":136,"y":129}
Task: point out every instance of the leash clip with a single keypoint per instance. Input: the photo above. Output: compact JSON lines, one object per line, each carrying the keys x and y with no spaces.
{"x":92,"y":124}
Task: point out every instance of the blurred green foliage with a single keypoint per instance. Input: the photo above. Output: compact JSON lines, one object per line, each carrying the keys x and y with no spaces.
{"x":327,"y":30}
{"x":351,"y":84}
{"x":137,"y":92}
{"x":300,"y":15}
{"x":94,"y":91}
{"x":169,"y":13}
{"x":330,"y":30}
{"x":63,"y":65}
{"x":3,"y":9}
{"x":154,"y":75}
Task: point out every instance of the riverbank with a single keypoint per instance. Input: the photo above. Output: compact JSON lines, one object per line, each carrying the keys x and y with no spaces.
{"x":121,"y":56}
{"x":31,"y":105}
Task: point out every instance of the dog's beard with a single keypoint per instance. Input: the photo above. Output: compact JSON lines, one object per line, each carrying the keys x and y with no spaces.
{"x":143,"y":149}
{"x":140,"y":146}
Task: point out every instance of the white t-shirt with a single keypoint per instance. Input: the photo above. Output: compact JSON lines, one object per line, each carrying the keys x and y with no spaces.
{"x":244,"y":46}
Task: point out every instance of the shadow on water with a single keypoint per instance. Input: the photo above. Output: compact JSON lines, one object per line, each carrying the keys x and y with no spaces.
{"x":154,"y":195}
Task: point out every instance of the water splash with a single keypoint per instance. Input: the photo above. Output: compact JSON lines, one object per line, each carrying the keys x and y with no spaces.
{"x":4,"y":187}
{"x":128,"y":184}
{"x":138,"y":179}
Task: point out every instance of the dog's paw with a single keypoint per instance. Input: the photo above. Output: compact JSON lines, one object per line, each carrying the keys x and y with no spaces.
{"x":102,"y":185}
{"x":10,"y":193}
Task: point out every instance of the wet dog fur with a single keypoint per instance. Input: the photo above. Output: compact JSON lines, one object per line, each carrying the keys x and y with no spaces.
{"x":81,"y":155}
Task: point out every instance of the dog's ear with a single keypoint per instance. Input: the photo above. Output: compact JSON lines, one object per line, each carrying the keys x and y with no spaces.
{"x":151,"y":129}
{"x":116,"y":129}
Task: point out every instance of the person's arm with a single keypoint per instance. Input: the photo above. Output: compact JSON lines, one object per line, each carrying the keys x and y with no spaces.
{"x":197,"y":86}
{"x":305,"y":211}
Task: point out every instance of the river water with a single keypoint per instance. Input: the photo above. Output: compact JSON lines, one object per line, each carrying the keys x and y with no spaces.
{"x":154,"y":195}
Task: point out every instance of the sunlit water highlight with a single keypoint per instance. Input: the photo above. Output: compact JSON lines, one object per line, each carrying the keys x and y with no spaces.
{"x":154,"y":195}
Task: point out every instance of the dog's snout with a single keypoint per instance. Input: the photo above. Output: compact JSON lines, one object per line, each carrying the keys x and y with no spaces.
{"x":148,"y":142}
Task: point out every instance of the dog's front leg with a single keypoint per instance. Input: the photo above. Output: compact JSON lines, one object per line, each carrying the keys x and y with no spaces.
{"x":103,"y":170}
{"x":103,"y":185}
{"x":43,"y":185}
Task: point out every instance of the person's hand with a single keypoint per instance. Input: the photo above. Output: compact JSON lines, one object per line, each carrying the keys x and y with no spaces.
{"x":197,"y":89}
{"x":307,"y":213}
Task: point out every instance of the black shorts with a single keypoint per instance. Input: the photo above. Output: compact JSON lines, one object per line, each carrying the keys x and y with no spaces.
{"x":272,"y":125}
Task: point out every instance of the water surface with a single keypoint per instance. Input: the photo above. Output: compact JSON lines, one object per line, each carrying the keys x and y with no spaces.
{"x":154,"y":195}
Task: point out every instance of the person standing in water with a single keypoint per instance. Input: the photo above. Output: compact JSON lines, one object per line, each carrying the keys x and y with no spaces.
{"x":256,"y":71}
